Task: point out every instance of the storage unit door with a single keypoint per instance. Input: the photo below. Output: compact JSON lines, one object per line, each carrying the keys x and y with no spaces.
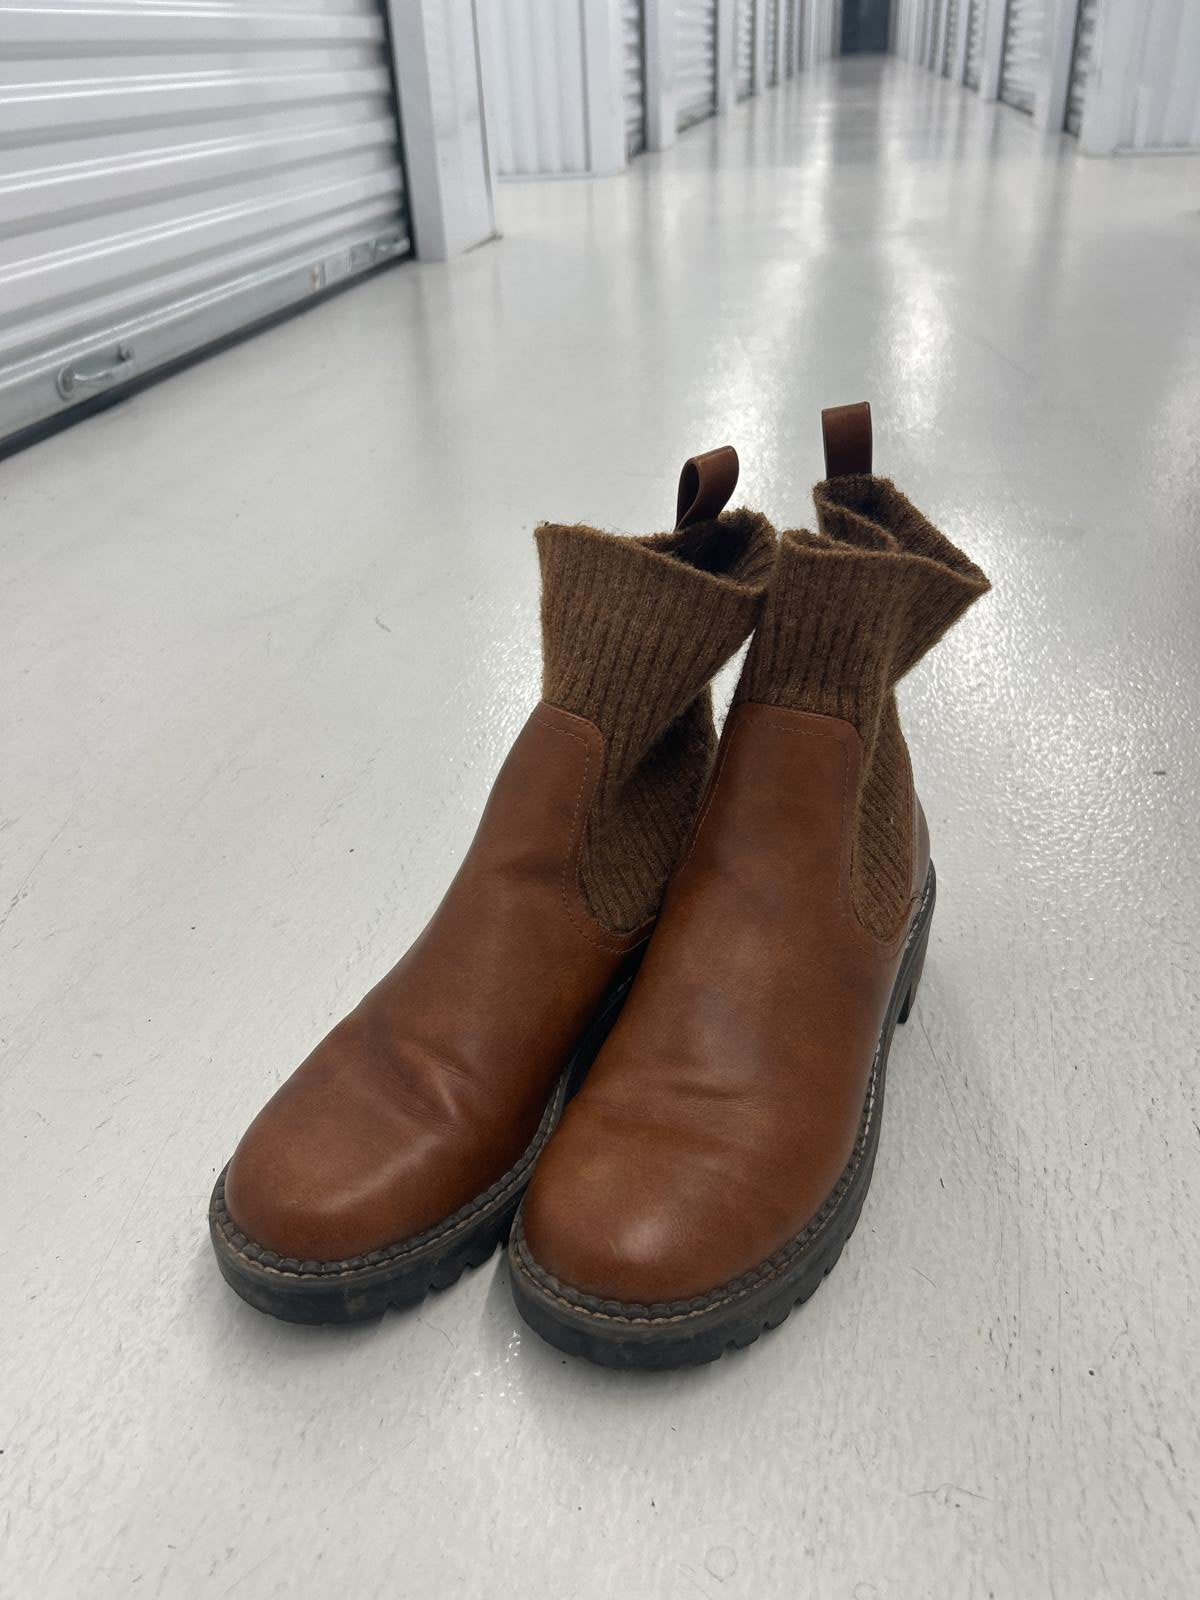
{"x":771,"y":28}
{"x":743,"y":43}
{"x":976,"y":17}
{"x":789,"y":37}
{"x":1081,"y":63}
{"x":1023,"y":27}
{"x":175,"y":172}
{"x":633,"y":76}
{"x":951,"y":41}
{"x":695,"y":61}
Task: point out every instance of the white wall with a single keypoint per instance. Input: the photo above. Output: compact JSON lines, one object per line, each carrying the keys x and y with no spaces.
{"x":552,"y":77}
{"x":441,"y":112}
{"x":1145,"y":89}
{"x":532,"y":54}
{"x":1144,"y":83}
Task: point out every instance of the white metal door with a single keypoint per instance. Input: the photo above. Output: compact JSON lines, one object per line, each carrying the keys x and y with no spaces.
{"x":1023,"y":26}
{"x":175,"y":171}
{"x":633,"y":75}
{"x":695,"y":61}
{"x":976,"y":18}
{"x":771,"y":29}
{"x":1081,"y":63}
{"x":743,"y":43}
{"x":951,"y":38}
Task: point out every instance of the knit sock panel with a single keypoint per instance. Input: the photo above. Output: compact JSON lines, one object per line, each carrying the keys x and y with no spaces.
{"x":872,"y":513}
{"x":635,"y":836}
{"x":633,"y":630}
{"x":881,"y":853}
{"x":850,"y":610}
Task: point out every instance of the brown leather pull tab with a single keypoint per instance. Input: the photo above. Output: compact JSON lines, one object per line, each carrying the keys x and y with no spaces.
{"x":847,"y":431}
{"x":705,"y":485}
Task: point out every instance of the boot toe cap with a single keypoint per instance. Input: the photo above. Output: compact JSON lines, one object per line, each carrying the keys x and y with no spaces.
{"x":331,"y":1176}
{"x":287,"y":1197}
{"x":614,"y":1216}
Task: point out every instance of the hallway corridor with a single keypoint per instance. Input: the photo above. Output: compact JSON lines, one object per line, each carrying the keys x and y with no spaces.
{"x":267,"y":630}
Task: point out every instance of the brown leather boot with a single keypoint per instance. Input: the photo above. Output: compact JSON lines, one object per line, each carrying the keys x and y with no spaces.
{"x":716,"y":1160}
{"x":397,"y":1153}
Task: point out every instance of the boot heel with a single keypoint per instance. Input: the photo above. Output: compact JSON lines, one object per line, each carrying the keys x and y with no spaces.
{"x":913,"y":983}
{"x":916,"y":967}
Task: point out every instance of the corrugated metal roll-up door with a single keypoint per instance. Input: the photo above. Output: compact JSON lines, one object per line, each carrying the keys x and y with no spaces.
{"x":1023,"y":25}
{"x":1081,"y":64}
{"x":695,"y":61}
{"x":173,"y":171}
{"x":976,"y":17}
{"x":771,"y":29}
{"x":744,"y":48}
{"x":951,"y":38}
{"x":633,"y":76}
{"x":789,"y":37}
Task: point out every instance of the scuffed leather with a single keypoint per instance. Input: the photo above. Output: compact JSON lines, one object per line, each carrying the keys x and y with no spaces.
{"x":432,"y":1087}
{"x":725,"y":1103}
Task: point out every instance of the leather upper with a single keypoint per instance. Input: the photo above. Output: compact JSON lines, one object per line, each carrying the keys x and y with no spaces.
{"x":726,"y":1101}
{"x":430,"y":1090}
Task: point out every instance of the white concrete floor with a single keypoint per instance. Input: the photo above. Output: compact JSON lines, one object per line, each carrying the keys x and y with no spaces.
{"x":267,"y":630}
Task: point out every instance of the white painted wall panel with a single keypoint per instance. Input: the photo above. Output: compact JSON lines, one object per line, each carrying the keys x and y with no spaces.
{"x":976,"y":23}
{"x":819,"y":25}
{"x":744,"y":48}
{"x":771,"y":18}
{"x":910,"y":29}
{"x":447,"y":169}
{"x":1162,"y":102}
{"x":1081,"y":63}
{"x":950,"y":36}
{"x":1024,"y":31}
{"x":633,"y":74}
{"x":695,"y":61}
{"x":174,"y":171}
{"x":533,"y":79}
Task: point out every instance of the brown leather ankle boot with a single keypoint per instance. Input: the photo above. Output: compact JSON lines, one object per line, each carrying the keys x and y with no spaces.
{"x":397,"y":1153}
{"x":716,"y":1160}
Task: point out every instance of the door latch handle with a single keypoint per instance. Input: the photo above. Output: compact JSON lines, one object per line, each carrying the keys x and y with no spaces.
{"x":71,"y":379}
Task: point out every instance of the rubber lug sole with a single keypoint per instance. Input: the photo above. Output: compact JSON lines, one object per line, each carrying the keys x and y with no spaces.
{"x":637,"y":1337}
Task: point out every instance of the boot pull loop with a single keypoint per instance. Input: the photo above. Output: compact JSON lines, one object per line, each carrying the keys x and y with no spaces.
{"x":705,"y":485}
{"x":847,"y":434}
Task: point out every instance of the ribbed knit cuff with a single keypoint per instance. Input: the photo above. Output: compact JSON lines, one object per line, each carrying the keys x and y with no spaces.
{"x":634,"y":629}
{"x":853,"y":607}
{"x":849,"y":610}
{"x":632,"y":632}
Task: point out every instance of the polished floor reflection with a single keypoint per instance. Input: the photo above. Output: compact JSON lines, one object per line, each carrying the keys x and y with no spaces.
{"x":266,"y":631}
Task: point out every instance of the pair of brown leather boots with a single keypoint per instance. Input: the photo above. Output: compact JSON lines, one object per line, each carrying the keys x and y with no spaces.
{"x":722,"y":938}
